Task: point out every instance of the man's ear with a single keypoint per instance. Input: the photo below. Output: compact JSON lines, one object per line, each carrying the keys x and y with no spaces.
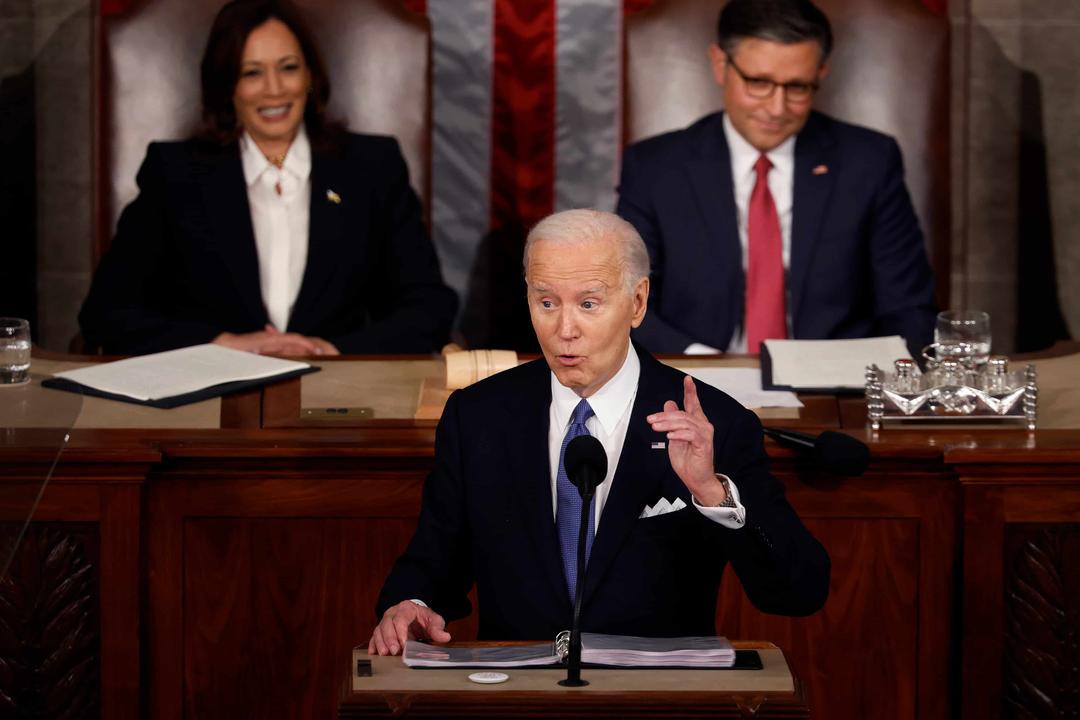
{"x":718,"y":63}
{"x":641,"y":301}
{"x":822,"y":72}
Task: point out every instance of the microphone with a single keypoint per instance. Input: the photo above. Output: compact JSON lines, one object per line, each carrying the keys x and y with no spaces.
{"x":832,"y":451}
{"x":586,"y":464}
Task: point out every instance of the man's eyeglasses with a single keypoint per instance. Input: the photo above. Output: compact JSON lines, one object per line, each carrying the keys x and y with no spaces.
{"x":762,"y":88}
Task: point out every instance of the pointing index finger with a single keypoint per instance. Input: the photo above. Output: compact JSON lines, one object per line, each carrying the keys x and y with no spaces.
{"x":690,"y":397}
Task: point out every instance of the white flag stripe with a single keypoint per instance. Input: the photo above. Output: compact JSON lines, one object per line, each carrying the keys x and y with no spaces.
{"x":462,"y":55}
{"x":587,"y":93}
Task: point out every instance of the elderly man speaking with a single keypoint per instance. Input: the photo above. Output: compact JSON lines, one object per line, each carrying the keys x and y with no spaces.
{"x":688,"y":487}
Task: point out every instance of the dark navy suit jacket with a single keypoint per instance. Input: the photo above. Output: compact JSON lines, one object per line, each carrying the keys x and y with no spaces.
{"x":858,"y":266}
{"x":183,"y":266}
{"x":486,"y":518}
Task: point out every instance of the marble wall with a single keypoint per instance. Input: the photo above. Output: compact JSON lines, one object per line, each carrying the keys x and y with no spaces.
{"x":52,"y":40}
{"x":1016,"y":167}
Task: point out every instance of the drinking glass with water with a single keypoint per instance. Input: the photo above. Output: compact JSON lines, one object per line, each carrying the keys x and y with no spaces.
{"x":14,"y":351}
{"x":963,"y":335}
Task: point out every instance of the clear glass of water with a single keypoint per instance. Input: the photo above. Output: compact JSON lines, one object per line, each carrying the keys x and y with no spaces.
{"x":14,"y":351}
{"x":964,"y":335}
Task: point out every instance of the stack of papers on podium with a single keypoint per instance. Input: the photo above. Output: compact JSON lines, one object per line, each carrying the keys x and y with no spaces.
{"x":419,"y":654}
{"x":177,"y":377}
{"x":627,"y":651}
{"x":596,"y":650}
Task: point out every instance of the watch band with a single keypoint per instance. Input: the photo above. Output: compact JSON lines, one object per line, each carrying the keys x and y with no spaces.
{"x":729,"y":499}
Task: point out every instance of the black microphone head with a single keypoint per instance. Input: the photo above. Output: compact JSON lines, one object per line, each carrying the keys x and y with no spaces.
{"x":841,"y":454}
{"x":586,"y":463}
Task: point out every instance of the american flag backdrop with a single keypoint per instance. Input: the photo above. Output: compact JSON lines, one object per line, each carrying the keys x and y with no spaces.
{"x":526,"y":115}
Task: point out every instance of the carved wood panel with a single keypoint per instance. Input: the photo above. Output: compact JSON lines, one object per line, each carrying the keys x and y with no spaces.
{"x":49,"y":622}
{"x":273,"y":607}
{"x":858,"y":655}
{"x":1042,"y":620}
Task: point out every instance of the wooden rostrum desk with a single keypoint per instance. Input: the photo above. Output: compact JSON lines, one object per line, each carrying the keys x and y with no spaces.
{"x":228,"y":571}
{"x":394,"y":690}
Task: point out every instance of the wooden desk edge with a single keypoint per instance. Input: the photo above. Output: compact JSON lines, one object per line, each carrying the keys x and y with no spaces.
{"x":532,"y":703}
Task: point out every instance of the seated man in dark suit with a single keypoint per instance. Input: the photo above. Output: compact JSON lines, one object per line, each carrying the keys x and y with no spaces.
{"x":770,"y":220}
{"x":499,"y":511}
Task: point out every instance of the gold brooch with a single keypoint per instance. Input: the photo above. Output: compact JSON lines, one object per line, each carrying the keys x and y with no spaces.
{"x":333,"y":197}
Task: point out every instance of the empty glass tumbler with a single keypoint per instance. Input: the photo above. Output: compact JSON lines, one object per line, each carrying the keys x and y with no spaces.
{"x":963,"y":335}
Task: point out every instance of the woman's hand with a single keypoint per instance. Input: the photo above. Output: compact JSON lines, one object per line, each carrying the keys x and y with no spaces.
{"x":271,"y":341}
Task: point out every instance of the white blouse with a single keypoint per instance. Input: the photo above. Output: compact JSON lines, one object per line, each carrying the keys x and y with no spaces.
{"x":280,"y":201}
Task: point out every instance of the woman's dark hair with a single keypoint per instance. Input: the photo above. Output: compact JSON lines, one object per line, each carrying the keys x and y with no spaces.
{"x":782,"y":21}
{"x":221,"y":69}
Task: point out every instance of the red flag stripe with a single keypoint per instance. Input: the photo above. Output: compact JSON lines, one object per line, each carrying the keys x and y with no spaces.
{"x":633,"y":6}
{"x":523,"y":112}
{"x":110,"y":8}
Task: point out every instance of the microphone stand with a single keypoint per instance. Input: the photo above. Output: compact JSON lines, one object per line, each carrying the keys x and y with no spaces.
{"x":573,"y":665}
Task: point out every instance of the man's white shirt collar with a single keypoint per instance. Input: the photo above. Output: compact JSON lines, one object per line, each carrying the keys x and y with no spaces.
{"x":609,"y":403}
{"x":744,"y":155}
{"x":297,"y":159}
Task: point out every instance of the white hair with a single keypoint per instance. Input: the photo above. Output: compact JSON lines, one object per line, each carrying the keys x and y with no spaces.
{"x":586,"y":225}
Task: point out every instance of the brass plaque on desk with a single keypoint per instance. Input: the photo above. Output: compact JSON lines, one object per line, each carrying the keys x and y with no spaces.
{"x":337,"y":413}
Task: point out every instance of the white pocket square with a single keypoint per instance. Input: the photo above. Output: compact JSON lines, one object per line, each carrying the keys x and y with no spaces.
{"x":662,"y":507}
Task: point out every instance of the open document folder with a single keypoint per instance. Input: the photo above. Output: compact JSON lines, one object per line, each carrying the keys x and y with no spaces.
{"x":177,"y":377}
{"x":596,"y":650}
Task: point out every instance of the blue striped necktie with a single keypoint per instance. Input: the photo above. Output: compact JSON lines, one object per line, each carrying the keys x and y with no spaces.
{"x":568,"y":513}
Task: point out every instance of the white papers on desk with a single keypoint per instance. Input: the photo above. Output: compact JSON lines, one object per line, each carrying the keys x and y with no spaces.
{"x":179,"y":372}
{"x":744,"y":384}
{"x":628,"y":651}
{"x":831,"y":363}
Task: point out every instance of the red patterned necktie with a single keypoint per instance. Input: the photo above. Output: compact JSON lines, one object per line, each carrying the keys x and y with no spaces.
{"x":766,"y":316}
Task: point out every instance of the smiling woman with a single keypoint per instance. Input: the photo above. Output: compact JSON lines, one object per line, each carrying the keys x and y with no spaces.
{"x":262,"y":72}
{"x":273,"y":230}
{"x":272,"y":91}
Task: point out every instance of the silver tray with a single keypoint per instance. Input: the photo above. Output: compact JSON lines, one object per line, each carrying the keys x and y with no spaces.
{"x":971,"y":397}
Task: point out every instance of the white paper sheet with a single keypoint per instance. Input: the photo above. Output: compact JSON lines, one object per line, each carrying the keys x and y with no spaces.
{"x":744,"y":384}
{"x":832,"y":363}
{"x":177,"y":372}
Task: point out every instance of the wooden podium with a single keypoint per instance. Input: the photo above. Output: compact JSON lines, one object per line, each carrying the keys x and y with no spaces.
{"x":394,"y":690}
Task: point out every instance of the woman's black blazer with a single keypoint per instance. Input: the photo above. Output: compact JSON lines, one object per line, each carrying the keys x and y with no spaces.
{"x":183,"y":266}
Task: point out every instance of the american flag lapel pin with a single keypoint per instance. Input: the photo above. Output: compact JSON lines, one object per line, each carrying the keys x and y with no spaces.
{"x":333,"y":197}
{"x":658,"y":446}
{"x":820,"y":170}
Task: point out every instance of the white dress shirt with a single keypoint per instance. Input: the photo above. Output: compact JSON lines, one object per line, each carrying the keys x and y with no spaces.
{"x":280,"y":221}
{"x":782,"y":186}
{"x":612,"y":405}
